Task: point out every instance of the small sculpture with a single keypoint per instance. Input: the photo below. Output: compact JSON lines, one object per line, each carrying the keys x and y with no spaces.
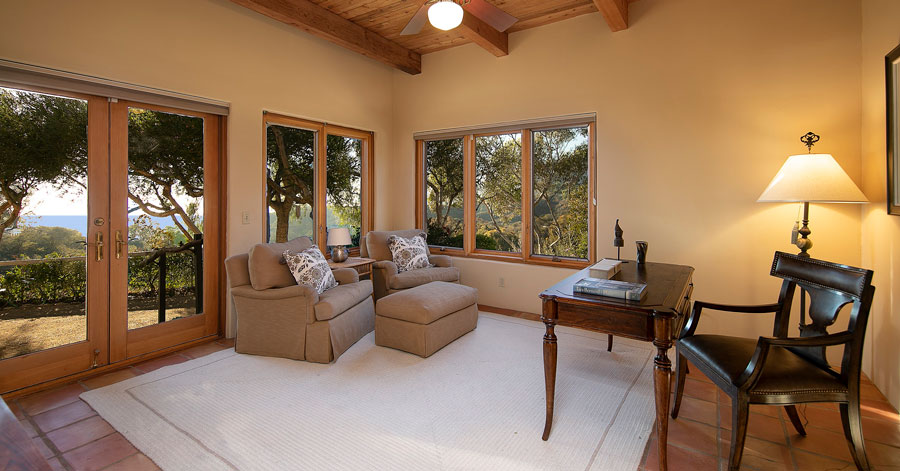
{"x":641,"y":251}
{"x":618,"y":241}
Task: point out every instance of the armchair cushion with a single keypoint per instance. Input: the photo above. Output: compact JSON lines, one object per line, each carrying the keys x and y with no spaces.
{"x":310,"y":269}
{"x":784,"y":370}
{"x":409,"y":253}
{"x":266,"y":267}
{"x":377,"y":242}
{"x":338,"y":300}
{"x":413,"y":278}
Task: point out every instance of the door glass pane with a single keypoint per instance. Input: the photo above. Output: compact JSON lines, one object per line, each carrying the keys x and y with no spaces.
{"x":498,"y":192}
{"x":344,"y":196}
{"x":444,"y":192}
{"x":43,"y":221}
{"x":560,"y":193}
{"x":165,"y":217}
{"x":290,"y":182}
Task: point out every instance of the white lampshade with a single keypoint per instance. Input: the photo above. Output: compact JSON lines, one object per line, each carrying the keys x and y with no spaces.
{"x":814,"y":178}
{"x":338,"y":236}
{"x":445,"y":14}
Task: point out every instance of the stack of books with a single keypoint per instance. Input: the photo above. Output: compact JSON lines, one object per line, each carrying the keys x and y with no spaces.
{"x":611,"y":288}
{"x":606,"y":268}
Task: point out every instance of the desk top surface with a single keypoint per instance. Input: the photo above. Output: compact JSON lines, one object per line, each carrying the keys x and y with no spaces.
{"x":666,"y":285}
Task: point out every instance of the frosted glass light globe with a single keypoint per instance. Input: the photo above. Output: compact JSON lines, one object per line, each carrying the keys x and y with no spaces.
{"x":445,"y":15}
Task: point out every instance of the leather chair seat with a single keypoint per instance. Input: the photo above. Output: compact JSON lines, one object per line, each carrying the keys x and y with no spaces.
{"x":784,"y":371}
{"x":421,"y":276}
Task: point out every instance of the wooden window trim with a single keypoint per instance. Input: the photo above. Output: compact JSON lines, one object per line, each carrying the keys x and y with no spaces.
{"x":320,"y":172}
{"x":526,"y":256}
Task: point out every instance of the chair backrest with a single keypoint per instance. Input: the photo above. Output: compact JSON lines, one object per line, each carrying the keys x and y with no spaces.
{"x":830,"y":286}
{"x":377,"y":242}
{"x":266,"y":263}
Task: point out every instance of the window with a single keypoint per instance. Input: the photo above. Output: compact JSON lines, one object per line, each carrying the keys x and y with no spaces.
{"x":518,"y":192}
{"x":317,"y":177}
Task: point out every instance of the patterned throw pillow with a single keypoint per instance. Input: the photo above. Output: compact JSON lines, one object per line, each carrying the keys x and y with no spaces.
{"x":409,"y":254}
{"x":310,"y":269}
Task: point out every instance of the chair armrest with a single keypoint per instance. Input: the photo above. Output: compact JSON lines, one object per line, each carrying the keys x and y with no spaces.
{"x":345,"y":276}
{"x":440,"y":260}
{"x":296,"y":291}
{"x":691,"y":325}
{"x":389,"y":267}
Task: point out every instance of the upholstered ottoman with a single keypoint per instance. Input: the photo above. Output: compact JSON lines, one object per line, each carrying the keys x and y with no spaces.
{"x":424,"y":319}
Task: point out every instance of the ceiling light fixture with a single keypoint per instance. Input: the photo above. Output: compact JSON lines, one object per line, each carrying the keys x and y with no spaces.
{"x":445,"y":14}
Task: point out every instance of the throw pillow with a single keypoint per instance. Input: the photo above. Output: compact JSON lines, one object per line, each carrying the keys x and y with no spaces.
{"x":310,"y":269}
{"x":409,"y":254}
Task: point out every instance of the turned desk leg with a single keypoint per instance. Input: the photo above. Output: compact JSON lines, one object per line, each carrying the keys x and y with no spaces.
{"x":662,"y":376}
{"x":549,"y":318}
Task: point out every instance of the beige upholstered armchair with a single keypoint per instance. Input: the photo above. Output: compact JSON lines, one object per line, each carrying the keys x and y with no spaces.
{"x":278,"y":317}
{"x":384,"y":271}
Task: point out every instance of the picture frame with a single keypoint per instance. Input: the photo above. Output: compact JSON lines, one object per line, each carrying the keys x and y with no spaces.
{"x":892,"y":88}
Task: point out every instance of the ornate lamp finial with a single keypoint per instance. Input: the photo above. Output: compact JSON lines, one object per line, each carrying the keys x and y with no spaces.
{"x":810,"y":139}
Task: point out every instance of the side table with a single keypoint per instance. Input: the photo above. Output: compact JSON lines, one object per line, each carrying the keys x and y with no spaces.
{"x":363,"y":266}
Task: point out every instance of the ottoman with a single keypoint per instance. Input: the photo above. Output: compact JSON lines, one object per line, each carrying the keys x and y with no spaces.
{"x":424,"y":319}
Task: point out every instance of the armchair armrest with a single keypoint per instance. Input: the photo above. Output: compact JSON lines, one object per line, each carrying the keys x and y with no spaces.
{"x":764,"y":344}
{"x":691,"y":325}
{"x":296,"y":291}
{"x":440,"y":260}
{"x":389,"y":267}
{"x":345,"y":276}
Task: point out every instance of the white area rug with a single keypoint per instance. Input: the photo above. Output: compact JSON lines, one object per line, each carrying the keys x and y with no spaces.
{"x":476,"y":404}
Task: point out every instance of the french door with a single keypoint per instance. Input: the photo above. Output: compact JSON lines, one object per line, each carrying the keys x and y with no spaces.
{"x":110,"y":231}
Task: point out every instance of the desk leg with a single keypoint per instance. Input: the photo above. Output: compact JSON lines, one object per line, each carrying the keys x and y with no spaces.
{"x":549,"y":318}
{"x":662,"y":376}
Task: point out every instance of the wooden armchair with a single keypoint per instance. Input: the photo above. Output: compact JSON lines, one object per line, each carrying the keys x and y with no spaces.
{"x":779,"y":370}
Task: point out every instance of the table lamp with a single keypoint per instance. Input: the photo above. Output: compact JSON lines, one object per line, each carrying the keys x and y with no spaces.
{"x":338,"y":238}
{"x":811,"y":178}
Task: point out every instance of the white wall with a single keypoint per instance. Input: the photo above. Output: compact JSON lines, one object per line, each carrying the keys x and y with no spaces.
{"x":699,"y":102}
{"x":214,"y":49}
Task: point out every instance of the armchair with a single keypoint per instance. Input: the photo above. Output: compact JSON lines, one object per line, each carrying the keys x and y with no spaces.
{"x":780,"y":370}
{"x":278,"y":317}
{"x":385,"y":276}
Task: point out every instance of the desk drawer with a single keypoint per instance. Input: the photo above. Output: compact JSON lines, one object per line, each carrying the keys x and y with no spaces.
{"x":636,"y":325}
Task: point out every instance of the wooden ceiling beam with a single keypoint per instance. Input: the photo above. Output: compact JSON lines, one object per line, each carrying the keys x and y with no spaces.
{"x":318,"y":21}
{"x":483,"y":34}
{"x":615,"y":12}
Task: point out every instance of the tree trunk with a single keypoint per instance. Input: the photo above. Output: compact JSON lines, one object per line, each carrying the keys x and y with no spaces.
{"x":282,"y":222}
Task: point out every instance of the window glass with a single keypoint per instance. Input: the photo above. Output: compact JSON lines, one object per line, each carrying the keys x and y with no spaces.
{"x":444,"y":192}
{"x":290,"y":182}
{"x":498,"y":192}
{"x":560,"y":192}
{"x":344,"y":196}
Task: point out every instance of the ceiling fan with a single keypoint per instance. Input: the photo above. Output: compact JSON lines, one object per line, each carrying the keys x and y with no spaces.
{"x":448,"y":14}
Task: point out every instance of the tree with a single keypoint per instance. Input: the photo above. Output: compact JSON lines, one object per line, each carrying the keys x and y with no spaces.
{"x":165,"y":160}
{"x":498,"y":191}
{"x":560,"y":177}
{"x":42,"y":241}
{"x":290,"y":165}
{"x":444,"y":179}
{"x":43,"y":139}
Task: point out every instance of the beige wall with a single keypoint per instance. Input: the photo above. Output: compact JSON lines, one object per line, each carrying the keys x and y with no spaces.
{"x":214,"y":49}
{"x":880,"y":231}
{"x":699,"y":102}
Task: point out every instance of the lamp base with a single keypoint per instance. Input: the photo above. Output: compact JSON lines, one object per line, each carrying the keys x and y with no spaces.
{"x":339,"y":254}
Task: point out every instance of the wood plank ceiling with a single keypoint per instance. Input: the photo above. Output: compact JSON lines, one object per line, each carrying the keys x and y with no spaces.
{"x":372,"y":27}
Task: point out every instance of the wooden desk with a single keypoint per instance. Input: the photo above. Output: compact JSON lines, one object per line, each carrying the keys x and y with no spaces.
{"x":17,"y":450}
{"x":654,"y":319}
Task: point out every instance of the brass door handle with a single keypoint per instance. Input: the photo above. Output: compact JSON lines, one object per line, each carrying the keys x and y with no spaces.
{"x":99,"y":246}
{"x":119,"y":243}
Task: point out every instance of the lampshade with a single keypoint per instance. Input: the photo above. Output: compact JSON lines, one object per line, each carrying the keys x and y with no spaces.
{"x":338,"y":236}
{"x":445,"y":15}
{"x":814,"y":178}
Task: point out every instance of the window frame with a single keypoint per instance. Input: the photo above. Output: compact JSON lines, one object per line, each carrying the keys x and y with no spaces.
{"x":320,"y":174}
{"x":469,"y":171}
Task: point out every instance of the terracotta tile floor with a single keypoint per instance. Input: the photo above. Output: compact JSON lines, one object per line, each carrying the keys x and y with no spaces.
{"x":700,"y":438}
{"x":72,"y":436}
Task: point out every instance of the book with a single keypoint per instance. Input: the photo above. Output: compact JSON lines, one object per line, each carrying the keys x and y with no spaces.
{"x":611,"y":288}
{"x":605,"y":269}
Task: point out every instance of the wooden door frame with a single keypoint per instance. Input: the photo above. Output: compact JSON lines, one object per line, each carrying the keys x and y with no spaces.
{"x":125,"y":343}
{"x":47,"y":365}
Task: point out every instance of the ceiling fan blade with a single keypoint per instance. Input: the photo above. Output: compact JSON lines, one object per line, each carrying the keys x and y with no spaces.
{"x":499,"y":19}
{"x":416,"y":22}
